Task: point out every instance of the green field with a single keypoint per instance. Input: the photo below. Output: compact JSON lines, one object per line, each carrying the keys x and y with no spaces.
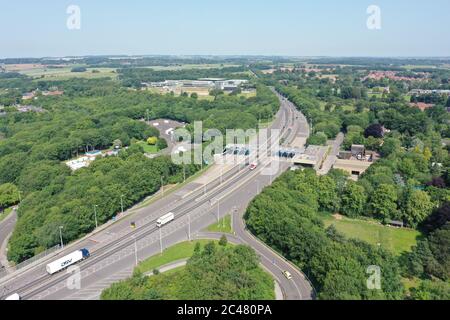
{"x":224,"y":226}
{"x":181,"y":251}
{"x":191,"y":66}
{"x":148,"y":148}
{"x":65,"y":73}
{"x":410,"y":67}
{"x":395,"y":240}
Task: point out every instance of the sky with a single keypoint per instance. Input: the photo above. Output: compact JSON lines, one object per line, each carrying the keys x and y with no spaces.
{"x":224,"y":27}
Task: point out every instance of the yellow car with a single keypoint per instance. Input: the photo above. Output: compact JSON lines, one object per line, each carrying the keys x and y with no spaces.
{"x":288,"y":275}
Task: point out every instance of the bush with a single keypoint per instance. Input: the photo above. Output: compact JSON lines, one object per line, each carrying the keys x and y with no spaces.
{"x":78,"y":69}
{"x":318,"y":139}
{"x":162,"y":144}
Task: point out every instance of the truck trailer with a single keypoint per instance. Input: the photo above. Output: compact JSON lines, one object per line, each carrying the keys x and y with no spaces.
{"x":67,"y":261}
{"x":165,"y":219}
{"x":14,"y":297}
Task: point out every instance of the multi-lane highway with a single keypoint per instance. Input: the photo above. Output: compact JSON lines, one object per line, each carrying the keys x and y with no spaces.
{"x":116,"y":248}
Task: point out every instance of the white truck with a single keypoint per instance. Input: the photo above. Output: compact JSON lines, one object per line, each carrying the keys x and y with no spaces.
{"x":14,"y":297}
{"x":67,"y":261}
{"x":165,"y":219}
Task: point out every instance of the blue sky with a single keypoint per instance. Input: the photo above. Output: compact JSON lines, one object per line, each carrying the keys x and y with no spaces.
{"x":225,"y":27}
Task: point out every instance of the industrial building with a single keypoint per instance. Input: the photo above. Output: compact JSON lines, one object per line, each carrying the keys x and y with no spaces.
{"x":313,"y":157}
{"x":356,"y":161}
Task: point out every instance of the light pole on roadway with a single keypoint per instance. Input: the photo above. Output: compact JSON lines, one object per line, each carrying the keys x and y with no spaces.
{"x":60,"y":236}
{"x":135,"y":251}
{"x":95,"y":215}
{"x":160,"y":240}
{"x":189,"y":226}
{"x":218,"y":210}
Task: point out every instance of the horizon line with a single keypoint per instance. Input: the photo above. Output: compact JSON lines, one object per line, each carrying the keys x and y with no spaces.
{"x":230,"y":56}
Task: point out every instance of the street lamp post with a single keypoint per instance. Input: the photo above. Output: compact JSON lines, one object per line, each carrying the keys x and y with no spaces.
{"x":121,"y":202}
{"x":223,"y":223}
{"x":160,"y":240}
{"x":162,"y":186}
{"x":135,"y":250}
{"x":95,"y":215}
{"x":60,"y":237}
{"x":189,"y":226}
{"x":218,"y":210}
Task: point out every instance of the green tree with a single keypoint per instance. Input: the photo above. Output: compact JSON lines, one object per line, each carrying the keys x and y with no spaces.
{"x":9,"y":195}
{"x":152,"y":141}
{"x":418,"y":208}
{"x":223,"y":241}
{"x":383,"y":202}
{"x":318,"y":139}
{"x":431,"y":290}
{"x":162,"y":144}
{"x":354,"y":199}
{"x":391,"y":146}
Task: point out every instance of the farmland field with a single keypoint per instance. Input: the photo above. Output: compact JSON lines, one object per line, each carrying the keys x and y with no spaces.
{"x":191,"y":66}
{"x":64,"y":73}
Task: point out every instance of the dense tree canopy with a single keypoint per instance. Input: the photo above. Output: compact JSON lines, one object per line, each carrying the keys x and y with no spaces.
{"x":285,"y":217}
{"x":212,"y":273}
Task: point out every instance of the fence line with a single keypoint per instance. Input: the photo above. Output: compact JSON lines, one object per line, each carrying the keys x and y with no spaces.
{"x":37,"y":257}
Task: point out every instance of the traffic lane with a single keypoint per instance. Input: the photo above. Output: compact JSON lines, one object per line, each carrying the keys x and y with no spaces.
{"x":6,"y":229}
{"x":296,"y":289}
{"x":107,"y":267}
{"x":332,"y":157}
{"x":7,"y":225}
{"x":116,"y":265}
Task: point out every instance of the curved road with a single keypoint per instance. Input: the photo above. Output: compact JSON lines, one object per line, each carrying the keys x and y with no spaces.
{"x":6,"y":229}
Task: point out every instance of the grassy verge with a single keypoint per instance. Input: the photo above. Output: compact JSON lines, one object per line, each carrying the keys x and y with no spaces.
{"x":181,"y":251}
{"x":148,"y":148}
{"x":395,"y":240}
{"x":223,"y":226}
